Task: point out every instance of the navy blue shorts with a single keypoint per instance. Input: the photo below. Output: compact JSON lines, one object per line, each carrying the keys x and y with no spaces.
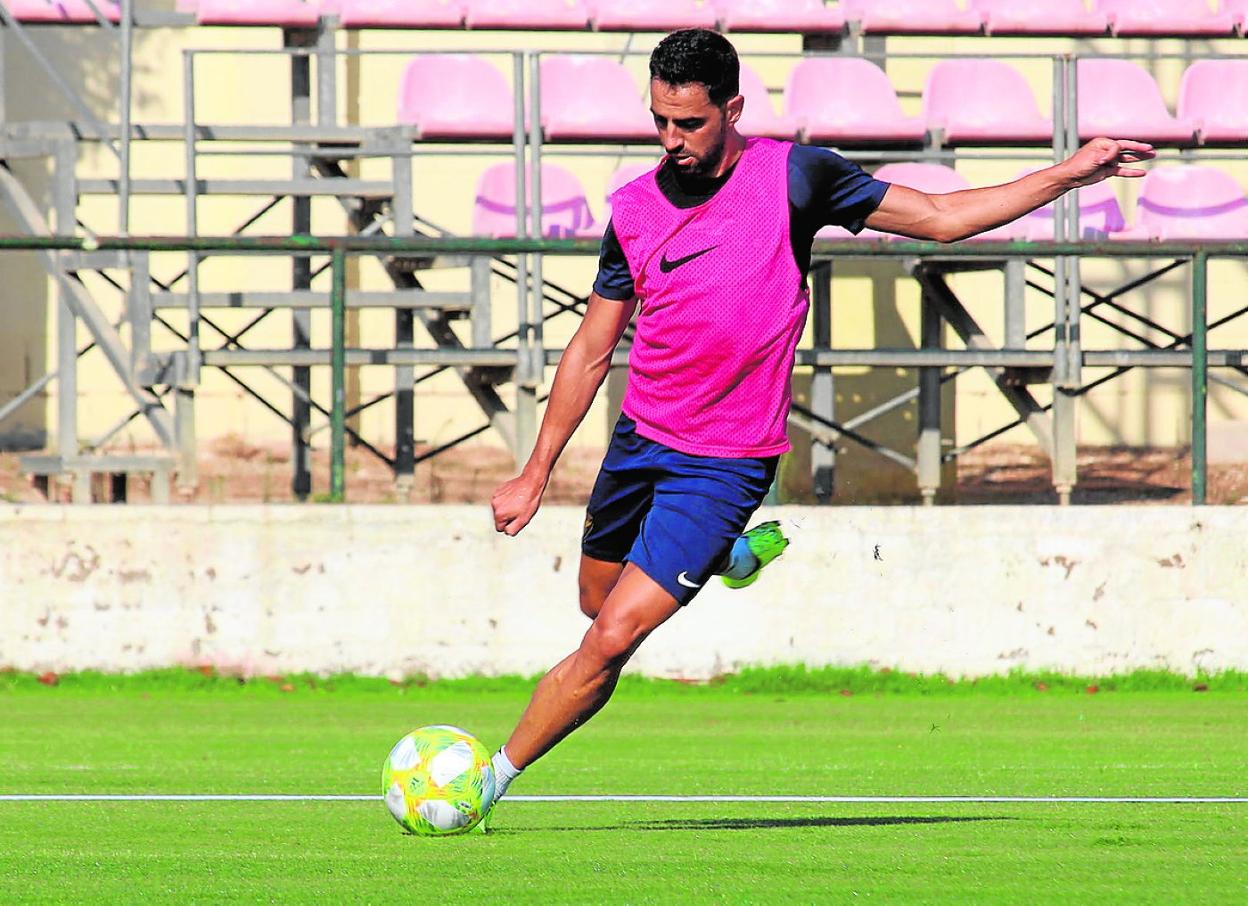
{"x":673,"y":515}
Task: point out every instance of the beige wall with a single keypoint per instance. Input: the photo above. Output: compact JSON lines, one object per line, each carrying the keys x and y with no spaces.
{"x":1145,"y":407}
{"x":400,"y":590}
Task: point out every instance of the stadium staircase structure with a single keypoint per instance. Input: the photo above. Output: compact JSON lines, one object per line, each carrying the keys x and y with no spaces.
{"x":970,"y":107}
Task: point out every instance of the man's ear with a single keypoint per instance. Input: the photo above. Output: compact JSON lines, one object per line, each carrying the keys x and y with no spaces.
{"x":734,"y":108}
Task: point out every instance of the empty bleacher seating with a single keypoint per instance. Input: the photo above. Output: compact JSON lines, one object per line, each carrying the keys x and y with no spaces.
{"x":1165,"y":17}
{"x":620,"y":178}
{"x":286,"y":13}
{"x":1039,"y":17}
{"x":591,"y":98}
{"x":934,"y":179}
{"x":456,"y":96}
{"x":983,"y":101}
{"x":848,"y":100}
{"x":1100,"y":214}
{"x":912,"y":17}
{"x":1120,"y":99}
{"x":1189,"y":202}
{"x":1214,"y":95}
{"x":527,"y":14}
{"x":938,"y":179}
{"x":653,"y":15}
{"x":397,"y":13}
{"x":76,"y":11}
{"x":760,"y":116}
{"x":1238,"y":10}
{"x":565,"y":210}
{"x":802,"y":16}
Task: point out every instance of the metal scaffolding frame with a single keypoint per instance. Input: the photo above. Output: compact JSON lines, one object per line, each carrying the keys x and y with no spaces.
{"x":317,"y":147}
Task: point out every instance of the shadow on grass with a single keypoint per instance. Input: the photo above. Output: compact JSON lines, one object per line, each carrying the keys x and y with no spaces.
{"x":686,"y":824}
{"x":813,"y":821}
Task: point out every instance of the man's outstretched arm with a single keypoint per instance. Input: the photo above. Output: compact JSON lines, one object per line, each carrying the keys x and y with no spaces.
{"x":581,"y":372}
{"x":959,"y":215}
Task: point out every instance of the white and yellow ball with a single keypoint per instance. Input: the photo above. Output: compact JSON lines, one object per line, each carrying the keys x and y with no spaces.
{"x":438,"y":781}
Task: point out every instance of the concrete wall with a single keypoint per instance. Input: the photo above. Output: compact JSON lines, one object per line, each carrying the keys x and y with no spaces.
{"x":399,"y":590}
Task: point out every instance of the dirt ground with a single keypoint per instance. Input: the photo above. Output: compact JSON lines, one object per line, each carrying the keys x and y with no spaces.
{"x":234,"y":471}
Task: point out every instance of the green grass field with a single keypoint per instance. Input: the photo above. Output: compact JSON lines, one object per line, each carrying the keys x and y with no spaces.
{"x":768,"y":733}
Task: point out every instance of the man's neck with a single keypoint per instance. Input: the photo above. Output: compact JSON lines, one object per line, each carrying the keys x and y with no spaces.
{"x":734,"y":144}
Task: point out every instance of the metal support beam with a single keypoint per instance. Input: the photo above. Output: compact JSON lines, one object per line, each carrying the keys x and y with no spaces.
{"x":404,"y":337}
{"x":952,"y":310}
{"x":338,"y":400}
{"x":1200,"y":377}
{"x":301,"y":273}
{"x":1015,"y":303}
{"x":822,"y":388}
{"x":928,"y":453}
{"x":525,"y":420}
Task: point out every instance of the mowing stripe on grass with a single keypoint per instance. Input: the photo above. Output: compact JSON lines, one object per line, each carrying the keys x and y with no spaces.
{"x":263,"y":797}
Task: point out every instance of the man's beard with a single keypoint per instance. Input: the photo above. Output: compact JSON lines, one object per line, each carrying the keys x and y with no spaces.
{"x":705,"y":168}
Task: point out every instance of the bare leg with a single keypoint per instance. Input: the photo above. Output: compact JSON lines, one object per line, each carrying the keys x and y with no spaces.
{"x":579,"y":685}
{"x":597,"y":579}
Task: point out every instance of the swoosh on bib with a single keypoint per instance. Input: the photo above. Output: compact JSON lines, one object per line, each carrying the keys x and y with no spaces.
{"x":667,"y":265}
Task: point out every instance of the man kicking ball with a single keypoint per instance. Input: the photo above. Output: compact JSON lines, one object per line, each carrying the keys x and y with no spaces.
{"x":711,"y":248}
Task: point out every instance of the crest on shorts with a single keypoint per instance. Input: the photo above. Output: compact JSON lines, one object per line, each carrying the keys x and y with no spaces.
{"x":589,"y":525}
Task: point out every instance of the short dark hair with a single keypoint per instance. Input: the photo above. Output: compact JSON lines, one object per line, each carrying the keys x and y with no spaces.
{"x":698,"y":55}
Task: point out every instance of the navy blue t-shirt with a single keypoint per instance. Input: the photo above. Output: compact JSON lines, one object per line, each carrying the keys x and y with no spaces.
{"x":824,"y":189}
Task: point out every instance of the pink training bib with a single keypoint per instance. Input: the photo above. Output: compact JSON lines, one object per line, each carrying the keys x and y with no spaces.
{"x":722,"y":307}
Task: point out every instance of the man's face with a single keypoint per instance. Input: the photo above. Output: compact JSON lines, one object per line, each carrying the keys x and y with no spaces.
{"x":692,"y":129}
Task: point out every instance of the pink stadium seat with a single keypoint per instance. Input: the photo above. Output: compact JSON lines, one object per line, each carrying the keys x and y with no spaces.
{"x":626,"y":174}
{"x":942,"y":17}
{"x":620,"y":178}
{"x":528,"y":14}
{"x":652,"y":15}
{"x":397,"y":13}
{"x":1120,"y":99}
{"x":983,"y":101}
{"x":934,"y":179}
{"x":1165,"y":17}
{"x":1189,"y":202}
{"x":938,"y":179}
{"x":803,"y":16}
{"x":62,"y":10}
{"x":760,"y":117}
{"x":1214,"y":94}
{"x":1100,"y":215}
{"x":1238,"y":10}
{"x":565,"y":210}
{"x":456,"y":96}
{"x":847,"y":99}
{"x":288,"y":13}
{"x":592,"y":98}
{"x":1039,"y":17}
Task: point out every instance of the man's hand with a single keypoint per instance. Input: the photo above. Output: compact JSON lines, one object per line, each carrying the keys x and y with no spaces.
{"x":516,"y":501}
{"x":1102,"y":158}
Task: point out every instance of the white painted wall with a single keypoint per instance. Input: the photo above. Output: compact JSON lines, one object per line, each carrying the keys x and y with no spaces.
{"x":399,"y":590}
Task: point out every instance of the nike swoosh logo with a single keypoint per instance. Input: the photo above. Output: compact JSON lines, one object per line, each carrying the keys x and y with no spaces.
{"x":683,"y":578}
{"x":667,"y":266}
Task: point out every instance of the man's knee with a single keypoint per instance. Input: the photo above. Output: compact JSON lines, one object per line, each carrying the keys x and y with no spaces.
{"x":610,"y":643}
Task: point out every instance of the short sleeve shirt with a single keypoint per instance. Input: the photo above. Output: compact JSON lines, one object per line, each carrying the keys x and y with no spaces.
{"x":825,"y":189}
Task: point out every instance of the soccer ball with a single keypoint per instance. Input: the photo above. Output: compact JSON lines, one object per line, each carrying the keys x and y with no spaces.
{"x":438,"y":781}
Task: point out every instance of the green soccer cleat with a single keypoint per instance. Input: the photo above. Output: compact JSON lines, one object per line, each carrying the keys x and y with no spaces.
{"x":766,"y":542}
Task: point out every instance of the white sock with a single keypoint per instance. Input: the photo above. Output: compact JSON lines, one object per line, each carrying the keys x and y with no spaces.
{"x":504,"y":772}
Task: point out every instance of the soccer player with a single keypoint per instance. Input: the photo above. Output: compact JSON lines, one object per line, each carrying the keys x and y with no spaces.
{"x":711,"y":250}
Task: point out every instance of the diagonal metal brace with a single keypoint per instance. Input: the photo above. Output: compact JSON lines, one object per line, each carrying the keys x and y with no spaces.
{"x":84,"y":307}
{"x":1030,"y":412}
